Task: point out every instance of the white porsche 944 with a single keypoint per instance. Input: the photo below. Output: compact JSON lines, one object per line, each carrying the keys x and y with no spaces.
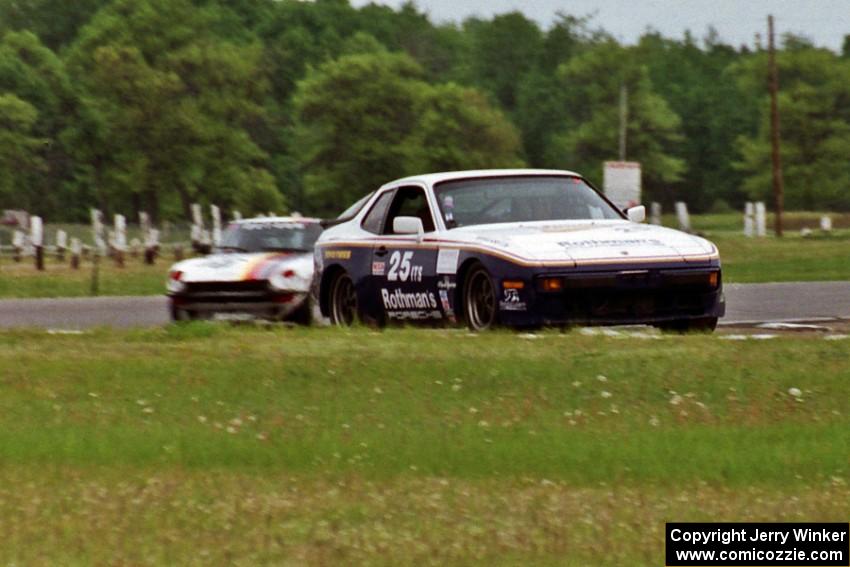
{"x":520,"y":248}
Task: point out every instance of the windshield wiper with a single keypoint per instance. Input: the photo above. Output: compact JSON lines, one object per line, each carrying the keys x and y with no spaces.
{"x":233,"y":248}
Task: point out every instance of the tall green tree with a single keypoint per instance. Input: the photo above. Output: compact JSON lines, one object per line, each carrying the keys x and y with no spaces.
{"x":592,"y":82}
{"x":34,"y":74}
{"x":502,"y":52}
{"x":694,"y":81}
{"x":169,"y":111}
{"x":815,"y":128}
{"x":19,"y":150}
{"x":367,"y":118}
{"x":354,"y":115}
{"x":55,"y":22}
{"x":458,"y":128}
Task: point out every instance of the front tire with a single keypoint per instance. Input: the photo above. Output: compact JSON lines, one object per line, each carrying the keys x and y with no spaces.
{"x":343,"y":301}
{"x":178,"y":314}
{"x":480,"y":306}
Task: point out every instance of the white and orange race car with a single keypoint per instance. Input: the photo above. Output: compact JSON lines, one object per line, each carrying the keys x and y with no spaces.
{"x":262,"y":269}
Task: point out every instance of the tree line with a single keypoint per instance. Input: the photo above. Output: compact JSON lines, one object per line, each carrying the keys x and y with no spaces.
{"x":259,"y":105}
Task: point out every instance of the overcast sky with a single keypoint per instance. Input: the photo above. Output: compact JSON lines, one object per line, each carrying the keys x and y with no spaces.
{"x":824,"y":21}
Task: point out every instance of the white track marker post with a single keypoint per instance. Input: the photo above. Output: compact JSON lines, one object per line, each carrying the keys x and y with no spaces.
{"x":683,"y":216}
{"x":76,"y":251}
{"x":61,"y":244}
{"x":18,"y":243}
{"x":120,"y":242}
{"x":826,"y":223}
{"x":749,"y":220}
{"x":237,"y":216}
{"x":99,"y":250}
{"x":197,"y":227}
{"x":761,"y":219}
{"x":215,"y":213}
{"x":655,"y":213}
{"x":97,"y":232}
{"x":37,"y":239}
{"x":145,"y":225}
{"x":151,"y":246}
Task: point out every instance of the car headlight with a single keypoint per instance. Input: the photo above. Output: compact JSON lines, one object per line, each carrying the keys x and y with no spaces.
{"x":175,"y":282}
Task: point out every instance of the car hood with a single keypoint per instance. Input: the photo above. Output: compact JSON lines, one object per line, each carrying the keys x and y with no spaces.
{"x":232,"y":267}
{"x":586,"y":242}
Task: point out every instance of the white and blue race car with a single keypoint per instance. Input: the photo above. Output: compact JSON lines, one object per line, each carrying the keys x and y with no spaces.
{"x":521,"y":248}
{"x":263,"y":268}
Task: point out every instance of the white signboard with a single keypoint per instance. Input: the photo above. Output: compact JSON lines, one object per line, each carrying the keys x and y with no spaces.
{"x":76,"y":246}
{"x":621,"y":182}
{"x":61,"y":239}
{"x":237,"y":216}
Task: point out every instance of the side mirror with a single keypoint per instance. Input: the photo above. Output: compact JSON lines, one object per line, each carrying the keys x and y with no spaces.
{"x":408,"y":225}
{"x":636,"y":214}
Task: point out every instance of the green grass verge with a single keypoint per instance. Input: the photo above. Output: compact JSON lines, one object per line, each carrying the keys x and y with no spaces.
{"x":208,"y":444}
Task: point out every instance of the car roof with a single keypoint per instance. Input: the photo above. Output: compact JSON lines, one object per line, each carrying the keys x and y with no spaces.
{"x":260,"y":220}
{"x":432,"y":179}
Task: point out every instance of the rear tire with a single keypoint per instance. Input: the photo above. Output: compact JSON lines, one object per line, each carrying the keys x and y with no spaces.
{"x":343,"y":301}
{"x":480,"y":307}
{"x":701,"y":325}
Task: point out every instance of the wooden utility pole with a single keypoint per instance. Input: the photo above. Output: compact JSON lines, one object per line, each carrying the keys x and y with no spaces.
{"x":778,"y":189}
{"x":624,"y":119}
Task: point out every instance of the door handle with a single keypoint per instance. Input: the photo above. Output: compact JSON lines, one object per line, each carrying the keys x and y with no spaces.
{"x":382,"y":251}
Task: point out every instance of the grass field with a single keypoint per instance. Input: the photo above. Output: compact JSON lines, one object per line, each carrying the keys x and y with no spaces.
{"x":818,"y":257}
{"x":205,"y":444}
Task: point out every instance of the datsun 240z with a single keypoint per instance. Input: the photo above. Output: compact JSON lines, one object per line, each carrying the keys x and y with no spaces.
{"x":263,"y":268}
{"x":521,"y":248}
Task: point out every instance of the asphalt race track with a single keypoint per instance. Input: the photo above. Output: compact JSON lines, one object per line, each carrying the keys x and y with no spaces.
{"x":746,"y":303}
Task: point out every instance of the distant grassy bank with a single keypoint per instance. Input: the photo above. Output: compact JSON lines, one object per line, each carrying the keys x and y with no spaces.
{"x":203,"y":444}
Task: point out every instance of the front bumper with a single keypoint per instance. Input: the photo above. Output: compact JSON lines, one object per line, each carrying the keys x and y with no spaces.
{"x":620,"y":298}
{"x":255,"y":298}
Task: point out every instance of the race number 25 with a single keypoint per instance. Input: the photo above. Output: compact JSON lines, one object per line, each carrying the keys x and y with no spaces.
{"x":401,"y":268}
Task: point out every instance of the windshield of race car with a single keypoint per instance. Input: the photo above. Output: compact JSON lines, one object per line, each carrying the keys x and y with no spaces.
{"x":270,"y":237}
{"x":520,"y":199}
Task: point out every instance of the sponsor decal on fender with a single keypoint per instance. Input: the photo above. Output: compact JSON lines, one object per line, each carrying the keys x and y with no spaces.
{"x":512,"y":301}
{"x":379,"y":268}
{"x":259,"y":268}
{"x":338,"y":254}
{"x":613,"y":242}
{"x":396,"y":300}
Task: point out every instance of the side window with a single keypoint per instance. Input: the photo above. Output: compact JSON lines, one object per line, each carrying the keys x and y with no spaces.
{"x":410,"y":202}
{"x":374,"y":220}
